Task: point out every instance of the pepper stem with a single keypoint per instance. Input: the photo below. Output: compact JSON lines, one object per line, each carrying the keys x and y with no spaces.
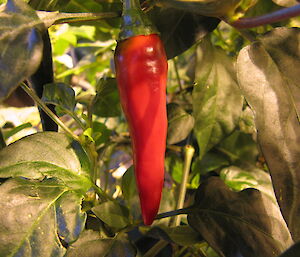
{"x":134,"y":21}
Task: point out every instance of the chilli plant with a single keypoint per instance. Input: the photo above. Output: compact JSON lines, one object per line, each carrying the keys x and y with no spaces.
{"x":152,"y":128}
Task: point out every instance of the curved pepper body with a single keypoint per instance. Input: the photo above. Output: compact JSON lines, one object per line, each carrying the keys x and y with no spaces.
{"x":141,"y":71}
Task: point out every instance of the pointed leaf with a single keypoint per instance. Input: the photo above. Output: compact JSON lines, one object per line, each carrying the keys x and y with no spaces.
{"x":107,"y":101}
{"x":180,"y":123}
{"x":113,"y":214}
{"x":48,"y":154}
{"x":217,"y":101}
{"x":90,"y":245}
{"x":20,"y":43}
{"x":293,"y":251}
{"x":187,"y":28}
{"x":35,"y":216}
{"x":269,"y":78}
{"x":59,"y":94}
{"x":246,"y":222}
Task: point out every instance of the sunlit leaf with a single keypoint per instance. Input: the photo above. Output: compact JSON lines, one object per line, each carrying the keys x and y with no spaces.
{"x":47,"y":154}
{"x":269,"y":79}
{"x":217,"y":101}
{"x":35,"y":216}
{"x":20,"y":43}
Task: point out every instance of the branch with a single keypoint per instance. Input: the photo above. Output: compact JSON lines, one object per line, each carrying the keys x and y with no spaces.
{"x":276,"y":16}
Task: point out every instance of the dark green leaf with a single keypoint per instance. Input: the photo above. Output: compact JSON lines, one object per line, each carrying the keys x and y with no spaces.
{"x":48,"y":5}
{"x":217,"y":101}
{"x":59,"y":94}
{"x":107,"y":102}
{"x":35,"y":216}
{"x":246,"y":222}
{"x":129,"y":189}
{"x":90,"y":245}
{"x":47,"y":154}
{"x":187,"y":28}
{"x":210,"y":162}
{"x":174,"y":166}
{"x":101,"y":133}
{"x":269,"y":78}
{"x":20,"y":43}
{"x":182,"y":235}
{"x":113,"y":214}
{"x":215,"y":8}
{"x":180,"y":123}
{"x":240,"y":147}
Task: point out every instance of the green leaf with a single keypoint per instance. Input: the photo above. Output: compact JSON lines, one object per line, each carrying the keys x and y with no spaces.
{"x":182,"y":235}
{"x":180,"y":123}
{"x":15,"y":130}
{"x":246,"y":223}
{"x":217,"y":101}
{"x":48,"y":5}
{"x":47,"y":154}
{"x":101,"y":133}
{"x":215,"y":8}
{"x":187,"y":28}
{"x":286,"y":3}
{"x":107,"y":101}
{"x":91,"y":245}
{"x":210,"y":162}
{"x":239,"y":179}
{"x":20,"y":43}
{"x":293,"y":251}
{"x":35,"y":216}
{"x":269,"y":79}
{"x":59,"y":94}
{"x":129,"y":189}
{"x":113,"y":214}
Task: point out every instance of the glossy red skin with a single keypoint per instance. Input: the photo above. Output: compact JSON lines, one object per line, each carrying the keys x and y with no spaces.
{"x":141,"y":71}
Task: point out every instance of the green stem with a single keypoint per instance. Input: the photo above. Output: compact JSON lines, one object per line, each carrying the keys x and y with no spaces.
{"x":174,"y":213}
{"x":188,"y":155}
{"x":177,"y":73}
{"x":2,"y":141}
{"x":102,"y":195}
{"x":156,"y":248}
{"x":43,"y":106}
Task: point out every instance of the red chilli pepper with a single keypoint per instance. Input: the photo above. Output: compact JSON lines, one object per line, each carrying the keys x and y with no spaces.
{"x":141,"y":72}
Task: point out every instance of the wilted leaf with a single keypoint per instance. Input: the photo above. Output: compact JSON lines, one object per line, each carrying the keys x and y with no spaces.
{"x":217,"y":101}
{"x":20,"y":43}
{"x":180,"y":123}
{"x":187,"y":28}
{"x":47,"y":154}
{"x":59,"y":94}
{"x":90,"y":245}
{"x":107,"y":102}
{"x":270,"y":81}
{"x":113,"y":214}
{"x":35,"y":216}
{"x":246,"y":222}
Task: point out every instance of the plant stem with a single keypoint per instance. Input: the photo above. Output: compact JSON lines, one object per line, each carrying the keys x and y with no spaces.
{"x":153,"y":251}
{"x":276,"y":16}
{"x":2,"y":141}
{"x":188,"y":155}
{"x":174,"y":213}
{"x":177,"y":73}
{"x":102,"y":195}
{"x":43,"y":106}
